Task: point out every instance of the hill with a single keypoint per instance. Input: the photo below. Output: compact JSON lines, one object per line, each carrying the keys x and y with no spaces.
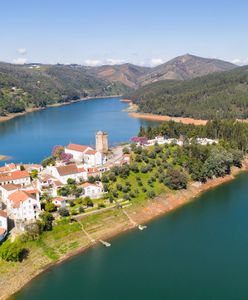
{"x":223,"y":95}
{"x":185,"y":67}
{"x":126,"y":74}
{"x":29,"y":86}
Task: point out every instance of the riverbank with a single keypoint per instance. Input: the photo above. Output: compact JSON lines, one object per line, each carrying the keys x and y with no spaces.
{"x":29,"y":110}
{"x":102,"y":226}
{"x":4,"y":157}
{"x":158,"y":118}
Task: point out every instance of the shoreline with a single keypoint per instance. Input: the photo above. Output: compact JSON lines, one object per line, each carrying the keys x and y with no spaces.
{"x":29,"y":110}
{"x":159,"y":118}
{"x":141,"y":213}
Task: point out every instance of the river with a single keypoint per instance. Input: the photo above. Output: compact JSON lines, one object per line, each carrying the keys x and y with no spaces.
{"x":30,"y":138}
{"x":198,"y":252}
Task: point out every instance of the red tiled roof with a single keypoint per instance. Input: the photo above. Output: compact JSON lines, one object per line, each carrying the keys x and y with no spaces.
{"x":3,"y":214}
{"x":60,"y":199}
{"x":67,"y":170}
{"x":19,"y":174}
{"x":91,"y":152}
{"x":11,"y":187}
{"x":9,"y":167}
{"x":18,"y":197}
{"x":77,"y":147}
{"x":81,"y":169}
{"x":86,"y":184}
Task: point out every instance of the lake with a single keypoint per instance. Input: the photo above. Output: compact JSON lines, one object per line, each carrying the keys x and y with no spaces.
{"x":198,"y":252}
{"x":31,"y":137}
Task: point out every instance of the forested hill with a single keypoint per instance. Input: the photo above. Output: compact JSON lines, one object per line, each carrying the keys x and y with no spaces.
{"x":221,"y":95}
{"x":28,"y":86}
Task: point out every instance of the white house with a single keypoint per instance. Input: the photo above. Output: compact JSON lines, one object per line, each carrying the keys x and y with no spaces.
{"x":3,"y":224}
{"x":92,"y":190}
{"x":63,"y":173}
{"x":7,"y":189}
{"x":59,"y":202}
{"x":15,"y":177}
{"x":23,"y":205}
{"x":86,"y":154}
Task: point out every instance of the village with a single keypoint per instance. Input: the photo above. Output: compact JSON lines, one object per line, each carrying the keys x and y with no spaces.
{"x":68,"y":183}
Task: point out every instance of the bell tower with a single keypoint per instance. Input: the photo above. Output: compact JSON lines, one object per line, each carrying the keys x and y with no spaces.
{"x":102,"y":142}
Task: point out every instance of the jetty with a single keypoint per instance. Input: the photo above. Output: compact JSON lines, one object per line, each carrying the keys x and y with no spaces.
{"x":106,"y":244}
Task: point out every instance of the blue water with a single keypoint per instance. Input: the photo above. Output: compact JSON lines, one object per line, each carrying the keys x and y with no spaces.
{"x":198,"y":252}
{"x":30,"y":138}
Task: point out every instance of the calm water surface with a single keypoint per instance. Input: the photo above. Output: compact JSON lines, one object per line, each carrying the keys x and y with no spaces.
{"x":199,"y":252}
{"x":30,"y":138}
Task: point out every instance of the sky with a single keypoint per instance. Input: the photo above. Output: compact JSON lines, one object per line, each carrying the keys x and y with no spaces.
{"x":95,"y":32}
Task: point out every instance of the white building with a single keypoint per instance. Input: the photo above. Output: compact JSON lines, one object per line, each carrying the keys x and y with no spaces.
{"x":7,"y":189}
{"x":63,"y":173}
{"x":59,"y":202}
{"x":3,"y":224}
{"x":92,"y":190}
{"x":86,"y":154}
{"x":23,"y":205}
{"x":15,"y":177}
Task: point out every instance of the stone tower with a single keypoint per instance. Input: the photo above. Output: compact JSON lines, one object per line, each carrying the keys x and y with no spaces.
{"x":102,"y":142}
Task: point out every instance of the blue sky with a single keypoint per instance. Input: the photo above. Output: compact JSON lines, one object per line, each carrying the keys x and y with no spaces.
{"x":108,"y":31}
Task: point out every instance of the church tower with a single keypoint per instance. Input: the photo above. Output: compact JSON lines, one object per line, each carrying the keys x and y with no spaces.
{"x":102,"y":142}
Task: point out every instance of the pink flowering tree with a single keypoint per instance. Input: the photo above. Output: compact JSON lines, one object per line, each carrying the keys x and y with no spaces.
{"x":139,"y":139}
{"x":66,"y":157}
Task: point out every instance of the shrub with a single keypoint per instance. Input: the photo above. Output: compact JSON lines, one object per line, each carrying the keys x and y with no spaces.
{"x":91,"y":179}
{"x":101,"y":205}
{"x":46,"y":221}
{"x":50,"y":207}
{"x":175,"y":179}
{"x":119,"y":187}
{"x":64,"y":212}
{"x":81,"y":209}
{"x":151,"y":194}
{"x":125,"y":150}
{"x":12,"y":251}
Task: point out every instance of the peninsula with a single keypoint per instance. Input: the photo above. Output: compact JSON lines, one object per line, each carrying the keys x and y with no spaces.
{"x":81,"y":195}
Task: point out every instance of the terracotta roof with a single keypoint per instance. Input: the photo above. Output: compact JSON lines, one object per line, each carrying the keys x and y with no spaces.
{"x":3,"y":214}
{"x":19,"y":174}
{"x":18,"y":197}
{"x":91,"y":152}
{"x":11,"y":187}
{"x":5,"y":177}
{"x":81,"y":169}
{"x":9,"y":167}
{"x":67,"y":170}
{"x":60,"y":199}
{"x":86,"y":184}
{"x":77,"y":147}
{"x":57,"y":183}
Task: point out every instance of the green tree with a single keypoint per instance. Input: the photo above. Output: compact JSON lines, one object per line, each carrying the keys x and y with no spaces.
{"x":12,"y":251}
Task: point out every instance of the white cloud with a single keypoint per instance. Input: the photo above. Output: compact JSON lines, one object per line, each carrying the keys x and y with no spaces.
{"x":92,"y":62}
{"x":156,"y":61}
{"x":22,"y":51}
{"x":241,"y":62}
{"x":20,"y":61}
{"x":114,"y":61}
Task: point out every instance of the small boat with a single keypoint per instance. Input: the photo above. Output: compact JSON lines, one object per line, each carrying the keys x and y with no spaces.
{"x":142,"y":227}
{"x":106,"y":244}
